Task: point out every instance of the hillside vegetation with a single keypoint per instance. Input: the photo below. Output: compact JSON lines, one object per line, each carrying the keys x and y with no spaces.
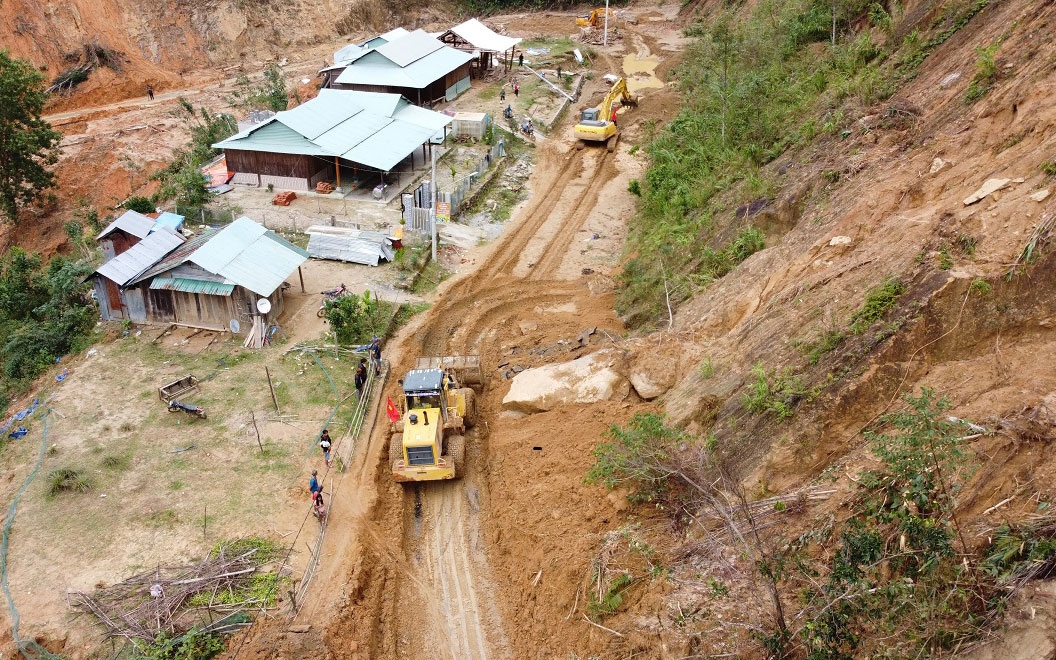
{"x":872,"y":331}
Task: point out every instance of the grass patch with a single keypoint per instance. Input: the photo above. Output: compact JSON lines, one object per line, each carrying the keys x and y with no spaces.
{"x":877,"y":302}
{"x":117,"y":461}
{"x":166,"y":518}
{"x":826,"y":342}
{"x":408,"y":311}
{"x":430,"y":278}
{"x":68,"y":480}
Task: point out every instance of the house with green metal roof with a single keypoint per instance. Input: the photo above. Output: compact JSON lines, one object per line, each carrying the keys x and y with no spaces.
{"x":413,"y":64}
{"x":213,"y":280}
{"x":349,"y":138}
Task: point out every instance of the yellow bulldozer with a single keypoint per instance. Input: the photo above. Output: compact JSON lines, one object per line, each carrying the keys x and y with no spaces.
{"x":595,"y":18}
{"x":597,"y":125}
{"x":428,"y":443}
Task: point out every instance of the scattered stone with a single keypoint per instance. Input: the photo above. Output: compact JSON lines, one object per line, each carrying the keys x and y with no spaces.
{"x":300,"y":628}
{"x":1040,"y":196}
{"x":939,"y":165}
{"x":527,"y":327}
{"x":949,"y":79}
{"x":840,"y":240}
{"x":587,"y":271}
{"x":989,"y":187}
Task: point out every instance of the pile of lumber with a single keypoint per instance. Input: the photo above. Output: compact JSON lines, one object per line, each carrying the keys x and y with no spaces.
{"x":284,"y":198}
{"x":256,"y":336}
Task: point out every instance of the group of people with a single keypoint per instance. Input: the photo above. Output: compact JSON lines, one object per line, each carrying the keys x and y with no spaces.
{"x":326,"y":444}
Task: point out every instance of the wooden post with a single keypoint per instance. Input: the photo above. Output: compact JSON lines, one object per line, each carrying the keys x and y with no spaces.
{"x":253,"y":416}
{"x":300,"y":275}
{"x":337,"y":171}
{"x":274,"y":399}
{"x":205,"y":518}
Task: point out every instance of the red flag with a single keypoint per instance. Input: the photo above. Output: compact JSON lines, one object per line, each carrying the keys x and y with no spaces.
{"x":390,"y":408}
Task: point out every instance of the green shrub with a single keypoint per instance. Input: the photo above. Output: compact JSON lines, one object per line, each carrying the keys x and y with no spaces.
{"x":985,"y":73}
{"x":139,"y":204}
{"x":877,"y":302}
{"x":612,"y":598}
{"x":634,"y":187}
{"x":778,"y":394}
{"x":1049,"y":167}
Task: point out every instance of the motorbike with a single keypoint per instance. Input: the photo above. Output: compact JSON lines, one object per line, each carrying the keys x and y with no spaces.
{"x":528,"y":129}
{"x":330,"y":294}
{"x":189,"y":408}
{"x":508,"y":112}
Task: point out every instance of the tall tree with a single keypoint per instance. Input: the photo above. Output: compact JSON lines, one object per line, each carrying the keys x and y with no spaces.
{"x":28,"y":144}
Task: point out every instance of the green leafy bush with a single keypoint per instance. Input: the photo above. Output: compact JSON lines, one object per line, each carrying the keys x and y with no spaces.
{"x":139,"y":204}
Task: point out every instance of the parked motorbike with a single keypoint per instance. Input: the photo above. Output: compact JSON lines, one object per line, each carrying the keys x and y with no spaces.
{"x":189,"y":408}
{"x":508,"y":112}
{"x":528,"y":129}
{"x":330,"y":294}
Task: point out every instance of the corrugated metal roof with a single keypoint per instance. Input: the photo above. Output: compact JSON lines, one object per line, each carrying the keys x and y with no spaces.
{"x":187,"y":285}
{"x":264,"y":263}
{"x":244,"y":253}
{"x":140,"y":256}
{"x":483,"y":37}
{"x":383,"y":149}
{"x":349,"y":53}
{"x":410,"y":48}
{"x":367,"y":248}
{"x":132,"y":222}
{"x":389,"y":65}
{"x":359,"y":129}
{"x":178,"y":256}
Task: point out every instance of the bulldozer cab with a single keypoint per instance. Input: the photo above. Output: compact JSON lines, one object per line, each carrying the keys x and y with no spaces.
{"x":426,"y":389}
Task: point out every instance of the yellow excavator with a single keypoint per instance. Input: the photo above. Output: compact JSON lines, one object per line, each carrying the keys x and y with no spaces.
{"x":428,"y":443}
{"x":597,"y":125}
{"x":595,"y":18}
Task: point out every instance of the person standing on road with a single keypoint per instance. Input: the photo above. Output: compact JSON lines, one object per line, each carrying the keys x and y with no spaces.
{"x":150,"y":92}
{"x":375,"y":355}
{"x":313,"y":484}
{"x":325,"y":444}
{"x":502,"y":94}
{"x":520,"y":61}
{"x":516,"y":89}
{"x":361,"y":378}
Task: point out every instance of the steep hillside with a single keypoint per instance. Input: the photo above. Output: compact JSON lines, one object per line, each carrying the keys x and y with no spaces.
{"x":159,"y":41}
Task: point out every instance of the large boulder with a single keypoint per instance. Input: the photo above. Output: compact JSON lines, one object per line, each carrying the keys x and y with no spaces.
{"x":594,"y":377}
{"x":652,"y":375}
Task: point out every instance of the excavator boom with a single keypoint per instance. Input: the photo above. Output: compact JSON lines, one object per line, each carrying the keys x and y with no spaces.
{"x":597,"y":124}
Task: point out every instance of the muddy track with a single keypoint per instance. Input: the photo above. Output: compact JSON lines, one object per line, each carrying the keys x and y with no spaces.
{"x":454,"y":615}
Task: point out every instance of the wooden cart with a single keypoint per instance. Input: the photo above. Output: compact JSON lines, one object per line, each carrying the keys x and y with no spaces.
{"x":178,"y":388}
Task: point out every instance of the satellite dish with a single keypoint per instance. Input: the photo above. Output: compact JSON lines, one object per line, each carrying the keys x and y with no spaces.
{"x":234,"y":326}
{"x":263,"y":305}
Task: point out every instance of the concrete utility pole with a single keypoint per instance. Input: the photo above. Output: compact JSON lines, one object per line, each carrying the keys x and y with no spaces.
{"x":605,"y":39}
{"x":432,"y":203}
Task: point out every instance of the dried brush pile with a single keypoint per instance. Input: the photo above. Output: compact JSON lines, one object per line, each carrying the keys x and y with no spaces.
{"x":171,"y":600}
{"x":82,"y":62}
